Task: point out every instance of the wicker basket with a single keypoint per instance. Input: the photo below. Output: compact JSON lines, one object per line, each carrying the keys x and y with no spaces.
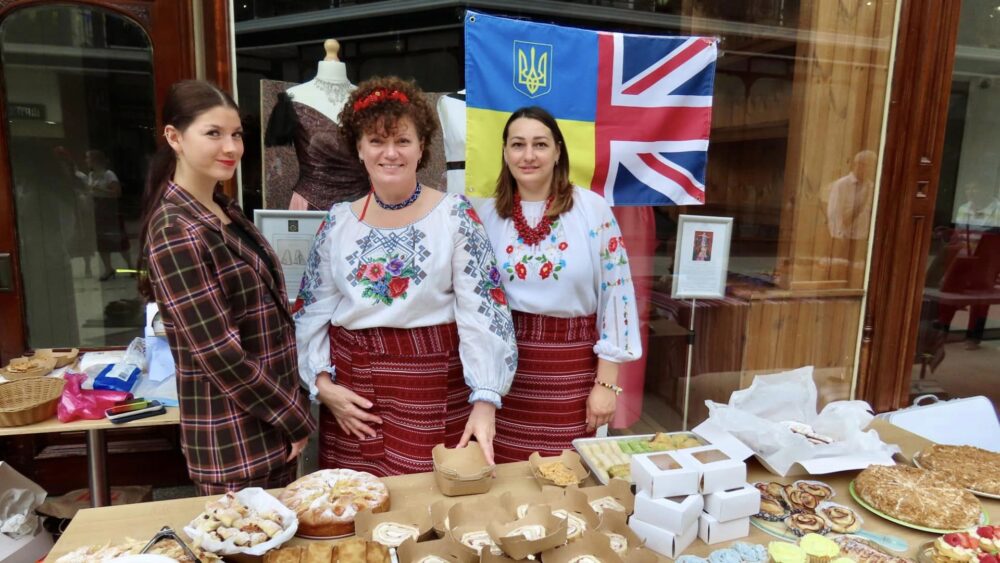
{"x":29,"y":400}
{"x":47,"y":364}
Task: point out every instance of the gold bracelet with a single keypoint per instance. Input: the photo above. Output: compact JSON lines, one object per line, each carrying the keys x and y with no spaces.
{"x":617,"y":390}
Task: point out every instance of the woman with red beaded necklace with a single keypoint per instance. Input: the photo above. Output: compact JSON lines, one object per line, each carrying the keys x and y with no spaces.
{"x":568,"y":284}
{"x":403,"y":329}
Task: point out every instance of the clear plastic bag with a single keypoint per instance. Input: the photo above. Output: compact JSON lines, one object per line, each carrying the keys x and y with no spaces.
{"x":77,"y":403}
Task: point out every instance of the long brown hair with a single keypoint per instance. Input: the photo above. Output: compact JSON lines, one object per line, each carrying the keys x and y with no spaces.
{"x":562,"y":188}
{"x":186,"y":101}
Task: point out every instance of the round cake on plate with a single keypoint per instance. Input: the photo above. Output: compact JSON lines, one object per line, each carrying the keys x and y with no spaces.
{"x":327,"y":501}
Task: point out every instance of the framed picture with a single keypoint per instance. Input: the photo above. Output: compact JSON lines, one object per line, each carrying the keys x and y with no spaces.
{"x":290,"y":234}
{"x":701,"y":260}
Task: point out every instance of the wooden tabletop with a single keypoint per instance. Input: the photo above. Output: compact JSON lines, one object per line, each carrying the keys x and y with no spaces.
{"x":53,"y":424}
{"x":141,"y":521}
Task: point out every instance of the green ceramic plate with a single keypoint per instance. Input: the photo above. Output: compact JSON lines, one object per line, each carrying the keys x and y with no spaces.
{"x":983,"y":517}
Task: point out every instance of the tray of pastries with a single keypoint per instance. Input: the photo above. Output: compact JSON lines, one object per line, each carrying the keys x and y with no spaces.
{"x":611,"y":457}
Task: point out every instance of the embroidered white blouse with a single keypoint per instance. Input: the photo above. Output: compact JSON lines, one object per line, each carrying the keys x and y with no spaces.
{"x":580,"y":269}
{"x":437,"y":270}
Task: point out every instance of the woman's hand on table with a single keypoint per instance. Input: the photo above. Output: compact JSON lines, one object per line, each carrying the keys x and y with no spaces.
{"x":482,"y":425}
{"x":297,"y":448}
{"x":349,"y":408}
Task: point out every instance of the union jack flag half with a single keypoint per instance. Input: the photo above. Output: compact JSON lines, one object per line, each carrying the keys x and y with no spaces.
{"x":636,"y":110}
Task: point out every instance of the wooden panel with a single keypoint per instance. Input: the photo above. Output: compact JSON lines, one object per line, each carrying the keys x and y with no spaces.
{"x":914,"y":142}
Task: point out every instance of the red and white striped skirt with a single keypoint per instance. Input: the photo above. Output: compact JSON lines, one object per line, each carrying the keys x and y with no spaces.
{"x":546,"y":408}
{"x":414,"y":379}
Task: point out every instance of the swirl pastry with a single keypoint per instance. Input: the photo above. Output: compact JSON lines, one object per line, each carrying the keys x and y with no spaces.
{"x":584,"y":559}
{"x":619,"y":543}
{"x":479,"y":539}
{"x":772,"y":489}
{"x":839,"y":518}
{"x":391,"y":534}
{"x":575,"y":526}
{"x":606,"y":503}
{"x":802,"y":523}
{"x":799,"y":500}
{"x":771,"y":509}
{"x":530,"y":532}
{"x":818,"y":489}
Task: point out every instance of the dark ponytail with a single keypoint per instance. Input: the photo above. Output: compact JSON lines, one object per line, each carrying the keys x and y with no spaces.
{"x":186,"y":101}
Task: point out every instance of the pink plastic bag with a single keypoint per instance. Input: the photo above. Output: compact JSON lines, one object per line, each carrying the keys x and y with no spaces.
{"x":85,"y":404}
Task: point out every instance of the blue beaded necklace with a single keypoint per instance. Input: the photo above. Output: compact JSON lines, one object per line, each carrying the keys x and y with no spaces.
{"x":396,"y":206}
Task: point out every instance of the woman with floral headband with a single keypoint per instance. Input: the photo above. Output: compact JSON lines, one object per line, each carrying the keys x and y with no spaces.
{"x":568,"y":282}
{"x":402,"y":324}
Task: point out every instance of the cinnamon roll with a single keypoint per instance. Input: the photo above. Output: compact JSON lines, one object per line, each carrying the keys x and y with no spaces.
{"x":392,"y":534}
{"x":606,"y":503}
{"x":530,"y":532}
{"x":584,"y":559}
{"x":802,"y":523}
{"x":432,"y":559}
{"x":839,"y":518}
{"x":575,"y":526}
{"x":799,"y":500}
{"x":479,"y":539}
{"x":619,"y":543}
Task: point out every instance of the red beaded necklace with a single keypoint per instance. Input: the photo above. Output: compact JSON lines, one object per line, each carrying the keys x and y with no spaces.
{"x":531,"y":236}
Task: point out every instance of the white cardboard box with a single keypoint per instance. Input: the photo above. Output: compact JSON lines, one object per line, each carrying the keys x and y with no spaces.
{"x":712,"y":531}
{"x":662,"y":474}
{"x":661,"y":541}
{"x":28,"y":548}
{"x":673,"y":514}
{"x":717,"y":469}
{"x":733,"y":503}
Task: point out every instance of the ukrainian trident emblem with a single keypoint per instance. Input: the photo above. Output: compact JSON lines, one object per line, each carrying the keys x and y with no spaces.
{"x":532,"y":62}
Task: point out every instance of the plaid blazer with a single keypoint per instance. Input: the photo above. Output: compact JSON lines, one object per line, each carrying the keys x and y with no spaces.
{"x":232,"y":338}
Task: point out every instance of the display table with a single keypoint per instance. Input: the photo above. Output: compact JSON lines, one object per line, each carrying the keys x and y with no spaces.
{"x":142,"y":521}
{"x":97,"y":465}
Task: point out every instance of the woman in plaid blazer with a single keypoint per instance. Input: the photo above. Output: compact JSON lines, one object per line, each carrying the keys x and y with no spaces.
{"x":217,"y":282}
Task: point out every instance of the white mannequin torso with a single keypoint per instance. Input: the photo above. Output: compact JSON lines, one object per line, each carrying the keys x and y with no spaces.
{"x":326,"y":93}
{"x":451,"y":112}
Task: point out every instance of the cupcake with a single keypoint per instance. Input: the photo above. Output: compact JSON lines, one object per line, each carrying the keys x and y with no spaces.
{"x":839,"y":518}
{"x":781,"y":552}
{"x":750,"y":553}
{"x":802,"y":523}
{"x":771,"y":509}
{"x":725,"y":556}
{"x":819,"y":549}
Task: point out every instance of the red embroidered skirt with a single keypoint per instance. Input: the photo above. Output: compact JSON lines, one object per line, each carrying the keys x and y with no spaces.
{"x":414,"y":379}
{"x":546,"y":408}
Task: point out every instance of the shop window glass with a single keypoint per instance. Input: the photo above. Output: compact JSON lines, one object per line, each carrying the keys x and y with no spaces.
{"x":958,"y":340}
{"x":797,"y":121}
{"x":79,"y":102}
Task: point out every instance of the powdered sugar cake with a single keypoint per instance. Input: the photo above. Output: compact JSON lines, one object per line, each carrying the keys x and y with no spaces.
{"x":327,"y":501}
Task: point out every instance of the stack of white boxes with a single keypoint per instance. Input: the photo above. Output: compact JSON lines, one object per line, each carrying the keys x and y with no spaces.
{"x":694,"y":492}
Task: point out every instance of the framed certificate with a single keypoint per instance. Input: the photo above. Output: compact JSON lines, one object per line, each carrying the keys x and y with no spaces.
{"x":701,"y":260}
{"x":290,"y":234}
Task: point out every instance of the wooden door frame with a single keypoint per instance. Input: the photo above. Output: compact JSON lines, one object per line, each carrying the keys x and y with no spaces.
{"x":169,"y":26}
{"x":918,"y":111}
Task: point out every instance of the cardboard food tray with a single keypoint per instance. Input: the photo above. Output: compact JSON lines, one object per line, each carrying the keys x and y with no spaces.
{"x":594,"y":466}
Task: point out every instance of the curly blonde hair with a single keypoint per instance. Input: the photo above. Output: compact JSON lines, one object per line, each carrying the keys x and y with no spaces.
{"x":383,"y":116}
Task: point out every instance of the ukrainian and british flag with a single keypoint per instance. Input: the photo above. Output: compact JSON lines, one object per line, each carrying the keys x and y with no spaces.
{"x":635,"y":109}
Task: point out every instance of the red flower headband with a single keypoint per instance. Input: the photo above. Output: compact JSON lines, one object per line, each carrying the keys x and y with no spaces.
{"x":379,"y":95}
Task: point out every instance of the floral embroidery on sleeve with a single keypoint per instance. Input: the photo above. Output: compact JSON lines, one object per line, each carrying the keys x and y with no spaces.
{"x":313,"y":278}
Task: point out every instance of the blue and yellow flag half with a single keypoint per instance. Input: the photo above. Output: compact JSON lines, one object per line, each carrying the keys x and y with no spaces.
{"x":635,"y":110}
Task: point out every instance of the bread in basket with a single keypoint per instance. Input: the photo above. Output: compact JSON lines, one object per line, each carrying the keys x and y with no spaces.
{"x":29,"y":400}
{"x":28,"y":367}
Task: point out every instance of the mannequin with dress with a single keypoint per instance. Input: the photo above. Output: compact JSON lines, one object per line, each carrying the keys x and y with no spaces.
{"x":307,"y":116}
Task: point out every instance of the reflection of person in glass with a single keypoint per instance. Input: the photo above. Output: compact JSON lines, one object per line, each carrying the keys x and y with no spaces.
{"x":569,"y":284}
{"x":702,"y":246}
{"x":216,"y":281}
{"x":981,"y":209}
{"x":849,"y":199}
{"x":402,"y":323}
{"x":103,"y":186}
